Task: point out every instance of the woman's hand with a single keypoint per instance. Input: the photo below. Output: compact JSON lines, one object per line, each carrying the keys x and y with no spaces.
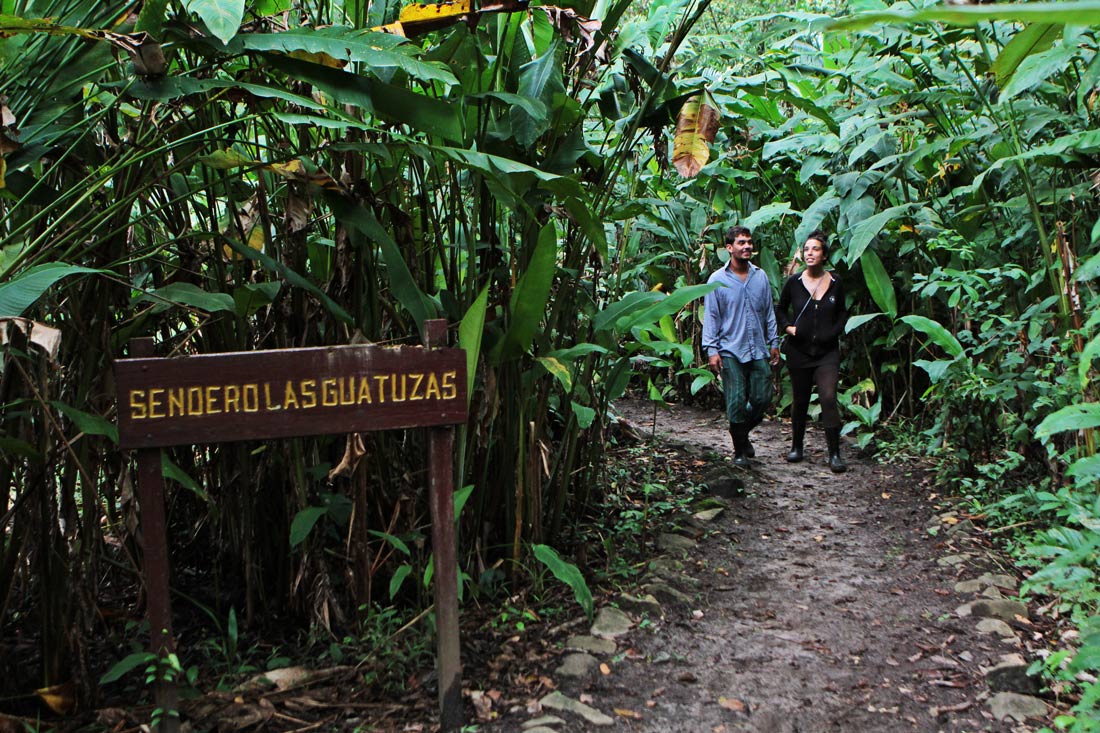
{"x":791,"y":330}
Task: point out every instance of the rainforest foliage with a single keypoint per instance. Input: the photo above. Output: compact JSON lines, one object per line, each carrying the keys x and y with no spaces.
{"x":553,"y":180}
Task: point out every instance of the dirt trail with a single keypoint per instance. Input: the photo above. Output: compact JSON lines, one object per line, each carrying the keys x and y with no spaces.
{"x":818,"y":604}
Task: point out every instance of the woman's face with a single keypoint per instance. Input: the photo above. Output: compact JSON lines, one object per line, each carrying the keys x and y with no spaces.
{"x":813,"y":252}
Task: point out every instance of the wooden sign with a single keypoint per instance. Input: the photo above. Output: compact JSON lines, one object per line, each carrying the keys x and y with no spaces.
{"x":217,"y":398}
{"x":286,"y":393}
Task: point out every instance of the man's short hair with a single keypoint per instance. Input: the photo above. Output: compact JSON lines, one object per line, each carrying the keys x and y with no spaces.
{"x":737,"y":231}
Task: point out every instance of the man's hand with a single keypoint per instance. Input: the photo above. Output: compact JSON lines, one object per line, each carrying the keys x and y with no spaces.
{"x":774,"y":361}
{"x":715,"y":363}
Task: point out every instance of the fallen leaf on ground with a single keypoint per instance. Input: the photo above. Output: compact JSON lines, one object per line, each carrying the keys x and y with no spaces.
{"x":483,"y":706}
{"x":604,"y":669}
{"x":732,"y":703}
{"x":885,"y":495}
{"x":628,"y":713}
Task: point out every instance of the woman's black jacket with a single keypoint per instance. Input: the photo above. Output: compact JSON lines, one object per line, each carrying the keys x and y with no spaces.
{"x":818,"y":323}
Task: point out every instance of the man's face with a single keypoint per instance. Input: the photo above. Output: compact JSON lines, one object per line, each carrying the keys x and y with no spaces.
{"x":741,"y":248}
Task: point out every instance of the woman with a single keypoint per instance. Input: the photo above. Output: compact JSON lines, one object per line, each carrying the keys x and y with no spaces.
{"x":811,"y":311}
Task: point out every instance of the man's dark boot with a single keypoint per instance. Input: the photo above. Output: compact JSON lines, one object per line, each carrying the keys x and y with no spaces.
{"x":832,"y":438}
{"x":740,"y":436}
{"x":798,"y":434}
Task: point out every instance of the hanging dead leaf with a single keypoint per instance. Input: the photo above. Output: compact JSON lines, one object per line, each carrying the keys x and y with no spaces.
{"x":695,"y":130}
{"x":59,"y":698}
{"x":353,"y":451}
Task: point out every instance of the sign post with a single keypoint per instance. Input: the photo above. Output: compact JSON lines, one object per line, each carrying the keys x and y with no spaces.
{"x":283,"y":393}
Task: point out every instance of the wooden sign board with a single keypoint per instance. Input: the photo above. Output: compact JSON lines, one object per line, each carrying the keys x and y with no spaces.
{"x":249,"y":395}
{"x":286,"y":393}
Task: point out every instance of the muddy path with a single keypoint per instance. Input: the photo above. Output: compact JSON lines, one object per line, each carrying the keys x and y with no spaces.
{"x":814,"y":602}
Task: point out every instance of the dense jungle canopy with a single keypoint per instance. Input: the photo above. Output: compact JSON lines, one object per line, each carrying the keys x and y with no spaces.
{"x":553,"y":180}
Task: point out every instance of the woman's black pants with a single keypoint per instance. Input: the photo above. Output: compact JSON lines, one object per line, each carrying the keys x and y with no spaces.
{"x":803,"y":380}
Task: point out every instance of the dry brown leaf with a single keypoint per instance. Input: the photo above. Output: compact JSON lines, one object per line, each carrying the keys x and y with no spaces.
{"x":59,"y":698}
{"x":732,"y":703}
{"x":604,"y":669}
{"x":354,"y":450}
{"x":695,"y":130}
{"x":483,"y":705}
{"x":623,"y":712}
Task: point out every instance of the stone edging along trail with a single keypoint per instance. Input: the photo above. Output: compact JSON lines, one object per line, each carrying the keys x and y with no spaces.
{"x":808,"y":602}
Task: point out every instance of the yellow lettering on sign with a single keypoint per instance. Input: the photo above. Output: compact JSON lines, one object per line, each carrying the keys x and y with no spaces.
{"x":268,"y":404}
{"x":309,"y":393}
{"x":232,"y":398}
{"x":433,"y":387}
{"x":290,"y":397}
{"x":154,"y":402}
{"x":177,"y":402}
{"x":417,"y":378}
{"x":328,"y":392}
{"x":364,"y":390}
{"x":381,"y":386}
{"x":345,"y":388}
{"x":137,"y":404}
{"x":393,"y":388}
{"x":212,"y":407}
{"x":194,"y":400}
{"x":450,"y":391}
{"x":251,"y":398}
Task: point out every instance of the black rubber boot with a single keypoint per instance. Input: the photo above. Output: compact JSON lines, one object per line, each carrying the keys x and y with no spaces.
{"x":832,"y":438}
{"x":741,"y":445}
{"x":798,"y":434}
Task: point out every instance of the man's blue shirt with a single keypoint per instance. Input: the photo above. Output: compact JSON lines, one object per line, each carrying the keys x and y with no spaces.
{"x":739,"y":317}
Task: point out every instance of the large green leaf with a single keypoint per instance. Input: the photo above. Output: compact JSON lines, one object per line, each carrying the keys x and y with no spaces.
{"x":222,"y":17}
{"x":1034,"y":38}
{"x":868,"y":229}
{"x":1071,"y":417}
{"x":667,"y":305}
{"x":303,"y":523}
{"x":470,"y":331}
{"x":768,"y":213}
{"x":388,"y":101}
{"x":855,"y":322}
{"x":1085,"y":469}
{"x":376,"y":51}
{"x":402,"y":283}
{"x":17,"y":295}
{"x":528,"y":304}
{"x":1036,"y":69}
{"x":86,"y":422}
{"x":191,"y":296}
{"x":878,"y":283}
{"x":606,"y":319}
{"x":539,"y":80}
{"x":1072,"y":12}
{"x":937,"y":333}
{"x":293,"y":278}
{"x":567,"y":573}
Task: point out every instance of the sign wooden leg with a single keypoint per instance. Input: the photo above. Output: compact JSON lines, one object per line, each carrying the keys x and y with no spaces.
{"x":154,"y":541}
{"x":449,"y":663}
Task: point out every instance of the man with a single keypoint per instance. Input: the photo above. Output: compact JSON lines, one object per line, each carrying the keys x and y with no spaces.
{"x":741,"y":340}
